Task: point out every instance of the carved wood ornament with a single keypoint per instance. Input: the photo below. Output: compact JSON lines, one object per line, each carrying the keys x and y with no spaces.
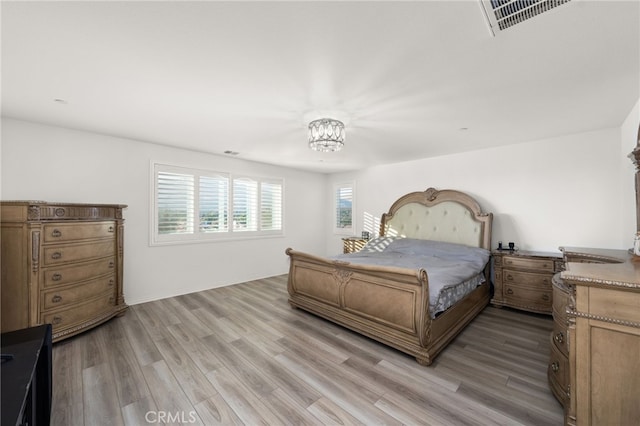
{"x":635,"y":158}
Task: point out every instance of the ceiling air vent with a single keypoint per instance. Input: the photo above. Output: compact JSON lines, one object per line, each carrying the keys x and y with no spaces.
{"x":502,"y":14}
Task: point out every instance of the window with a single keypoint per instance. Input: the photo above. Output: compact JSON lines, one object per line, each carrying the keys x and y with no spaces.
{"x":202,"y":205}
{"x":344,"y":208}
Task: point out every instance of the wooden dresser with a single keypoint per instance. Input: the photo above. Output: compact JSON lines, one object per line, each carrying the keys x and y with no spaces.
{"x":522,"y":279}
{"x":601,"y":319}
{"x":558,"y":370}
{"x":61,"y":265}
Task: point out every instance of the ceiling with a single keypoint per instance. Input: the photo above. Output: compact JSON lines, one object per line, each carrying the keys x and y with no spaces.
{"x":409,"y":79}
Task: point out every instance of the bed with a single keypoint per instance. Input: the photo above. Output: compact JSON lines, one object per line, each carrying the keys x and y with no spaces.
{"x":391,"y":302}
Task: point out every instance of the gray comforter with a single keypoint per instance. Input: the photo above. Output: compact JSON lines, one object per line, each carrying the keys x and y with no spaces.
{"x":447,"y":264}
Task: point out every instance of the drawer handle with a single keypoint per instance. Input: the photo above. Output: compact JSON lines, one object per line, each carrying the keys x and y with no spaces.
{"x":57,"y":298}
{"x":559,"y":337}
{"x":56,"y":320}
{"x":56,"y":233}
{"x":56,"y":277}
{"x":545,"y":265}
{"x":555,"y":366}
{"x":545,"y":297}
{"x":111,"y":229}
{"x":509,"y":277}
{"x":509,"y":291}
{"x":111,"y":282}
{"x":56,"y":255}
{"x":111,"y":264}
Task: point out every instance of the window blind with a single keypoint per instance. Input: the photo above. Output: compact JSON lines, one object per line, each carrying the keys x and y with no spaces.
{"x":193,"y":205}
{"x":175,"y":203}
{"x":344,"y":202}
{"x":245,"y":204}
{"x":270,"y":206}
{"x":214,"y":204}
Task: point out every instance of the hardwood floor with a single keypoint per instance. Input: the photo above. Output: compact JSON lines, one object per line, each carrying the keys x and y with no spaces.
{"x":242,"y":355}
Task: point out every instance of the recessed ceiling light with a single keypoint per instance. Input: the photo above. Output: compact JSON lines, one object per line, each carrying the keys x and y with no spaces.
{"x":228,"y":152}
{"x":60,"y":101}
{"x":464,"y":128}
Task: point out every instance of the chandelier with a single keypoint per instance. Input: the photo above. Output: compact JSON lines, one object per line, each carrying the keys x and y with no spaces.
{"x":326,"y":135}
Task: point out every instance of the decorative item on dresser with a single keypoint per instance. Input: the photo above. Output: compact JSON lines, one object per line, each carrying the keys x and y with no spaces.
{"x":601,"y":336}
{"x":61,"y":265}
{"x":522,"y":279}
{"x":352,"y":244}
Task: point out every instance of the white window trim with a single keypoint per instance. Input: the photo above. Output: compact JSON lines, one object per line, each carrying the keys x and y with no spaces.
{"x":156,"y":239}
{"x":344,"y":231}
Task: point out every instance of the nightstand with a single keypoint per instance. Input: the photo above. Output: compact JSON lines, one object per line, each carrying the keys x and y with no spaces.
{"x":522,"y":279}
{"x":353,"y":244}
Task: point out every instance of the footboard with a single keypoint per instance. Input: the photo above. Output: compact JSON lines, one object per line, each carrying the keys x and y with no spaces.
{"x":387,"y":304}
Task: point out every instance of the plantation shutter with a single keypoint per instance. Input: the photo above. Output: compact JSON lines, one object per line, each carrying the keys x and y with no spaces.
{"x":175,"y":203}
{"x":344,"y":202}
{"x":245,"y":204}
{"x":214,"y":204}
{"x":270,"y":206}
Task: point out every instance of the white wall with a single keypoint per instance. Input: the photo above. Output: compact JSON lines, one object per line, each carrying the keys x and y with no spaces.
{"x":543,"y":194}
{"x":48,"y":163}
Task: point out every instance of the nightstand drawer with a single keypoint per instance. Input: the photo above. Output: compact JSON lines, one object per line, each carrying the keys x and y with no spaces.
{"x":528,"y":297}
{"x":528,"y":263}
{"x":542,"y":281}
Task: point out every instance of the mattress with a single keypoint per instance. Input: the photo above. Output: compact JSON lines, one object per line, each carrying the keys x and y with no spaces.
{"x":453,"y":270}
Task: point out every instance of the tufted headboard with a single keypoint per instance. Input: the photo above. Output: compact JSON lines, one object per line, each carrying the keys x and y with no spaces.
{"x":447,"y":215}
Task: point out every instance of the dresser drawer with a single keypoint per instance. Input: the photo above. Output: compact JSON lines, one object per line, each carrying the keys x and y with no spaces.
{"x":541,"y":281}
{"x":528,"y":263}
{"x":78,"y":313}
{"x":559,"y":336}
{"x":61,"y":275}
{"x":65,"y":253}
{"x":532,"y":297}
{"x":77,"y":293}
{"x":560,"y":299}
{"x":558,"y":374}
{"x":608,"y":303}
{"x":66,"y":232}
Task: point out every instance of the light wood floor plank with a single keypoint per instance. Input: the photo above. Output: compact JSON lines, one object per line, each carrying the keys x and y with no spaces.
{"x":167,"y":393}
{"x":68,"y":392}
{"x":101,"y":405}
{"x":127,"y":375}
{"x":195,"y":348}
{"x":216,"y":411}
{"x":330,"y":413}
{"x":195,"y":386}
{"x":247,"y":406}
{"x":240,"y":355}
{"x":140,"y":412}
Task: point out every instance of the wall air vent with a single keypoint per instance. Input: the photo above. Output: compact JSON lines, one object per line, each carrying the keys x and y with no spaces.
{"x":502,"y":14}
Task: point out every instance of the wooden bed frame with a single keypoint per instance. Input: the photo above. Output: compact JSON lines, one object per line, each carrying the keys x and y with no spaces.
{"x":391,"y":304}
